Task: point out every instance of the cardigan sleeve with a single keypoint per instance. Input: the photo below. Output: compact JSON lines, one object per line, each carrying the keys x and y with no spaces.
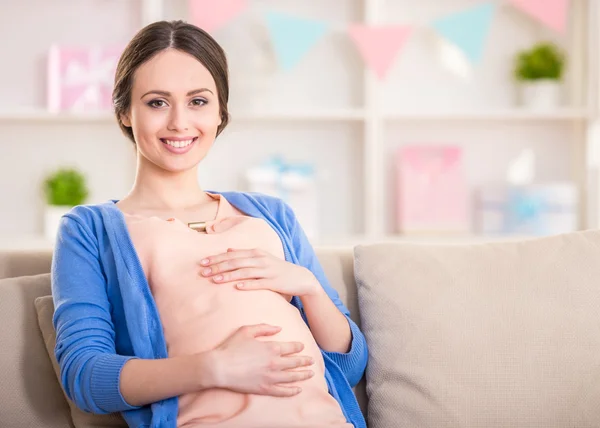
{"x":90,"y":368}
{"x":354,"y":362}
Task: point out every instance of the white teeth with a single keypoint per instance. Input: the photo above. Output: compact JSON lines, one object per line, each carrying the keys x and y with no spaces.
{"x":179,"y":144}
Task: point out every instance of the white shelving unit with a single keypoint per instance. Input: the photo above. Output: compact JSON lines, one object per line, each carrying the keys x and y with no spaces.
{"x":375,"y":118}
{"x":493,"y":115}
{"x":361,"y":121}
{"x":39,"y":115}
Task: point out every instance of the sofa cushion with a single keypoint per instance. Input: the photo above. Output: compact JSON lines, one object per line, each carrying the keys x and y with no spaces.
{"x":81,"y":419}
{"x":30,"y":395}
{"x":502,"y":334}
{"x":338,"y":266}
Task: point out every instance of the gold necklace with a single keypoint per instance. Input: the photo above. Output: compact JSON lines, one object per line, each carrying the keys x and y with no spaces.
{"x":198,"y":226}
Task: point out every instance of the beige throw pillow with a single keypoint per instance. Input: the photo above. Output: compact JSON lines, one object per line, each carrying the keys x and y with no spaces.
{"x":30,"y":396}
{"x":490,"y":335}
{"x":45,"y":309}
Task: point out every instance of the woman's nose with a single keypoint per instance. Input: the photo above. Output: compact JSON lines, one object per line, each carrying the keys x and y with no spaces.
{"x":178,"y":120}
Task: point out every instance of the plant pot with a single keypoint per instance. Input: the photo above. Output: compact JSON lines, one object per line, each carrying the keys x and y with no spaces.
{"x":52,"y":216}
{"x":545,"y":94}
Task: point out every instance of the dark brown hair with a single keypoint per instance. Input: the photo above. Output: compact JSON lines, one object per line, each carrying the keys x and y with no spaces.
{"x":157,"y":37}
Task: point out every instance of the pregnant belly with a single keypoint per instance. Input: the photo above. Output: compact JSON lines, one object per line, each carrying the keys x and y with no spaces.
{"x":198,"y":322}
{"x":203,"y":322}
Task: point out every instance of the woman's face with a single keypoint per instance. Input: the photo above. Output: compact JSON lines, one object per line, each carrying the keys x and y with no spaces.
{"x":174,"y":111}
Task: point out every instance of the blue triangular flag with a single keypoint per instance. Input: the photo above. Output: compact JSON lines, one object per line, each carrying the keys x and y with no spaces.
{"x":468,"y":29}
{"x":292,"y":37}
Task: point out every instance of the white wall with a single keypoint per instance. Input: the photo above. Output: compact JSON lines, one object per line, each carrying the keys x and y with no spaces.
{"x":30,"y":148}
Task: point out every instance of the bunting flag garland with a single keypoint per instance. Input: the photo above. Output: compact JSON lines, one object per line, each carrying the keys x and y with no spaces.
{"x":468,"y":29}
{"x":293,"y":37}
{"x":552,"y":13}
{"x":210,"y":15}
{"x":379,"y":46}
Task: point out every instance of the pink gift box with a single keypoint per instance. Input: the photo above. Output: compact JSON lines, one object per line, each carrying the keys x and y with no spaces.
{"x":81,"y":79}
{"x":433,"y":194}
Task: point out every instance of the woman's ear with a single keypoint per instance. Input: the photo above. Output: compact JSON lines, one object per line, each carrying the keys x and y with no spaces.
{"x":125,"y":120}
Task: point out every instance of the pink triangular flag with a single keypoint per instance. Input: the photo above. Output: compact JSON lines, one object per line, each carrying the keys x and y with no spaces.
{"x":552,"y":13}
{"x":210,"y":15}
{"x":379,"y":45}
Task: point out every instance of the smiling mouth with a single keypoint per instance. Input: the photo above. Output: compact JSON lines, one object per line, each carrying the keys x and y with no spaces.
{"x":178,"y":144}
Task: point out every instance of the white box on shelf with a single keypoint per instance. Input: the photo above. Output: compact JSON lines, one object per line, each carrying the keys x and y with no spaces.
{"x":535,"y":209}
{"x":294,"y":184}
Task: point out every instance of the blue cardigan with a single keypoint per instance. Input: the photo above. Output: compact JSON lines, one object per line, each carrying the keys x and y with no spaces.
{"x":105,"y":313}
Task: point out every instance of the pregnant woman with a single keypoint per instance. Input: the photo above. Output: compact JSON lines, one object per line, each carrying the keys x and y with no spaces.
{"x":180,"y":307}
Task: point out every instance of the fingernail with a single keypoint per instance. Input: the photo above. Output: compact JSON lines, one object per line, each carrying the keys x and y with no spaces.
{"x":218,"y":277}
{"x":241,"y":285}
{"x":204,"y":261}
{"x":206,"y":271}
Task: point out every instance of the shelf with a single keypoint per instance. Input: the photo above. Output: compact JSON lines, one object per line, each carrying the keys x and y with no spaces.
{"x":308,"y":114}
{"x":40,"y":115}
{"x":492,"y":115}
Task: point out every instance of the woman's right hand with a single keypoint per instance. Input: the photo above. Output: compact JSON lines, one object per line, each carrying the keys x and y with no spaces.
{"x":245,"y":364}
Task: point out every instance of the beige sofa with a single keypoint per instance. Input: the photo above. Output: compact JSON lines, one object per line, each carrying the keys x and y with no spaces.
{"x":30,"y":395}
{"x":499,"y":334}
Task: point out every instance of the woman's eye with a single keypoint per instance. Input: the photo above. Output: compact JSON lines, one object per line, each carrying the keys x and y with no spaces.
{"x":156,"y":103}
{"x":198,"y":101}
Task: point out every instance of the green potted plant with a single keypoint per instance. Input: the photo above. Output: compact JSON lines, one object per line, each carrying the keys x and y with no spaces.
{"x":539,"y":72}
{"x":63,"y":189}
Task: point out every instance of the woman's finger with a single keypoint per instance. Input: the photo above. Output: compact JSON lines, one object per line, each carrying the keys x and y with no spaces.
{"x":286,"y":348}
{"x":288,"y":363}
{"x":264,"y":284}
{"x":283,"y":377}
{"x":238,"y":275}
{"x":230,"y":265}
{"x":259,"y":330}
{"x":231,"y":254}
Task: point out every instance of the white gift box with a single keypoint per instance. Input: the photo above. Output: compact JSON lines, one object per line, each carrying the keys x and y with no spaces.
{"x":294,"y":184}
{"x":535,"y":209}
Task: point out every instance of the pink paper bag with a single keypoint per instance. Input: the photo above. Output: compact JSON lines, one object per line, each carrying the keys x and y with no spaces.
{"x":433,"y":194}
{"x":81,"y":79}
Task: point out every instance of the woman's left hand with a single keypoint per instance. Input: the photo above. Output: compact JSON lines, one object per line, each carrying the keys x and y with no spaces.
{"x":258,"y":270}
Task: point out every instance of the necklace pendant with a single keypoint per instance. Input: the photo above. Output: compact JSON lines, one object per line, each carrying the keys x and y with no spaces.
{"x":198,"y":226}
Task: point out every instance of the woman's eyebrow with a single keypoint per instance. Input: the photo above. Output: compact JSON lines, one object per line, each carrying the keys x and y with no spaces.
{"x":167,"y":94}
